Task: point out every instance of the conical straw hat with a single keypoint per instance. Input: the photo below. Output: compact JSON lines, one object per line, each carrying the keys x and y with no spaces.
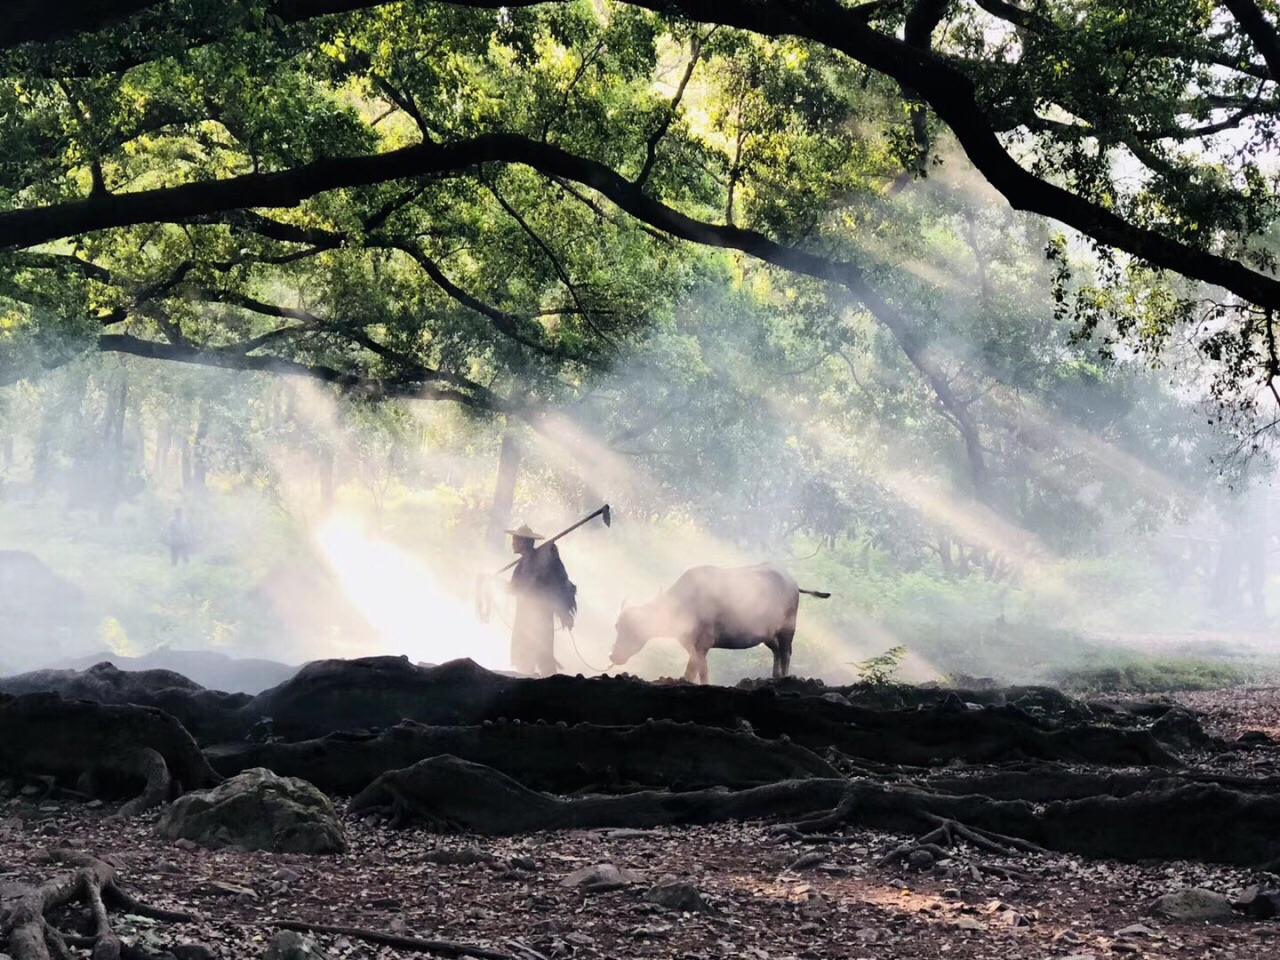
{"x":524,"y":531}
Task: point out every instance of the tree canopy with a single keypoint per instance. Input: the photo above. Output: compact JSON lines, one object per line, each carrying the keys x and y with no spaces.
{"x":499,"y":204}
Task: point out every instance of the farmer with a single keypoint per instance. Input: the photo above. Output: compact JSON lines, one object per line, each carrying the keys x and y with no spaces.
{"x":179,"y":538}
{"x":543,"y":592}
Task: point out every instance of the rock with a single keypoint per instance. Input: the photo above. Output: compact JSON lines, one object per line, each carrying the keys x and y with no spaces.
{"x":1259,"y":904}
{"x":678,"y":895}
{"x":920,"y":860}
{"x":1193,"y":903}
{"x":1180,"y":730}
{"x":806,"y":860}
{"x":601,"y":877}
{"x":951,"y":703}
{"x":193,"y":951}
{"x":1255,"y":737}
{"x":814,"y":906}
{"x":257,"y":810}
{"x":288,"y":945}
{"x":222,"y":888}
{"x":1135,"y":930}
{"x":465,"y":857}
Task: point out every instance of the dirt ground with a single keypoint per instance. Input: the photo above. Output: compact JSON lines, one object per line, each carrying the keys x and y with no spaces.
{"x":507,"y":895}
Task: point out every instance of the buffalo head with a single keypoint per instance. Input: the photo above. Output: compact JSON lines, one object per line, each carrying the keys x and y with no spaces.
{"x":631,"y":635}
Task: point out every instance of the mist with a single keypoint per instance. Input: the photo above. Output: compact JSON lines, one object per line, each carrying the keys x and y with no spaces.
{"x":760,"y":418}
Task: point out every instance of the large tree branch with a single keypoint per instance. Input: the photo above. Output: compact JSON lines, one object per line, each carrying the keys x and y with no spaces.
{"x":64,"y":261}
{"x":421,"y":383}
{"x":38,"y":21}
{"x":669,"y":115}
{"x":922,"y":20}
{"x":1260,"y":30}
{"x":508,"y":324}
{"x":517,"y":328}
{"x":550,"y":254}
{"x":412,"y":369}
{"x":556,"y":162}
{"x":947,"y":89}
{"x":950,"y":92}
{"x":953,"y":97}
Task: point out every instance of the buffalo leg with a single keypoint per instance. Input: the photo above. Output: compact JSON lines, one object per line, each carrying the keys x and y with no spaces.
{"x":696,"y":671}
{"x":782,"y":652}
{"x":691,"y":669}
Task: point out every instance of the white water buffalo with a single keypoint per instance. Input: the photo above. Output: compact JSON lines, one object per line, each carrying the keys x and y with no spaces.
{"x":709,"y":607}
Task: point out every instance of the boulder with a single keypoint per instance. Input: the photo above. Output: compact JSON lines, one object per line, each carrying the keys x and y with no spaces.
{"x":209,"y":715}
{"x":43,"y":734}
{"x":208,"y":669}
{"x":1181,"y":731}
{"x":601,"y":878}
{"x":1255,"y":738}
{"x":678,"y":895}
{"x":288,"y":945}
{"x":1260,"y":904}
{"x":1193,"y":903}
{"x":257,"y":810}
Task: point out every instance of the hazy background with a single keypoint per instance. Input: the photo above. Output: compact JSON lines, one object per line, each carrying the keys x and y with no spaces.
{"x":759,"y":417}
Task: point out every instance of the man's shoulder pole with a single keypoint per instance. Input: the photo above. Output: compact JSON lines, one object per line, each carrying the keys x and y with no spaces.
{"x":604,"y":513}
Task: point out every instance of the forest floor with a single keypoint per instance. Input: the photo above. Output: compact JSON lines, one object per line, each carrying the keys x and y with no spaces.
{"x":507,"y":895}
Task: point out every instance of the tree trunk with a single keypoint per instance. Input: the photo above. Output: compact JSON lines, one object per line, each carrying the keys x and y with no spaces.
{"x":324,"y":467}
{"x":198,"y":459}
{"x":504,"y":489}
{"x":164,"y":443}
{"x":110,"y":486}
{"x":944,"y":554}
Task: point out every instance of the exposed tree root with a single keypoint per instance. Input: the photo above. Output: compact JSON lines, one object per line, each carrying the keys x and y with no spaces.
{"x":1197,"y":821}
{"x":559,"y":759}
{"x":150,"y":765}
{"x":444,"y":948}
{"x":25,"y":929}
{"x":381,"y":691}
{"x":121,"y":747}
{"x":947,"y":834}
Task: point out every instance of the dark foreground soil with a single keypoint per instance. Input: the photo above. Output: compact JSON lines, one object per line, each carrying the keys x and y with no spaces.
{"x":509,"y":897}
